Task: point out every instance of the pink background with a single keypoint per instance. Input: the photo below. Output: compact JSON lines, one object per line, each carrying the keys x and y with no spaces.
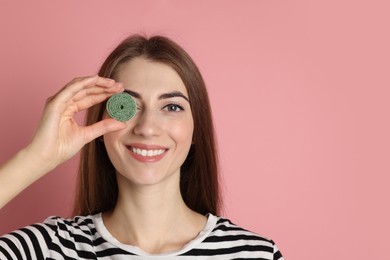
{"x":300,"y":95}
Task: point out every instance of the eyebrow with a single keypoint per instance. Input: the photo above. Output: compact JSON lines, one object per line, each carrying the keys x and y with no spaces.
{"x":162,"y":96}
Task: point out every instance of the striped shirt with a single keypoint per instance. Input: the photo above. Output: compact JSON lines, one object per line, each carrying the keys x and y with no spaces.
{"x":87,"y":238}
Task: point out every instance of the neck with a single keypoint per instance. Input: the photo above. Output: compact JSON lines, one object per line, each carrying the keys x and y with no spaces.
{"x":154,"y":218}
{"x":149,"y":208}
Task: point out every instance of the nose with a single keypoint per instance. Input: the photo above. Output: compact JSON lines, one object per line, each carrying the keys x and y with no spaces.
{"x":147,"y":124}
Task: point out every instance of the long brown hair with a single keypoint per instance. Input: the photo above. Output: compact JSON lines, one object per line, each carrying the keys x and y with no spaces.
{"x":97,"y":188}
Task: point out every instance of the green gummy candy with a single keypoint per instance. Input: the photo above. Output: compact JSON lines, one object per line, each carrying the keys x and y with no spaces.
{"x":121,"y":106}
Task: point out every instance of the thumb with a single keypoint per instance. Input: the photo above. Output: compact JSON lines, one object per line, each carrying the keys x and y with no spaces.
{"x":102,"y":127}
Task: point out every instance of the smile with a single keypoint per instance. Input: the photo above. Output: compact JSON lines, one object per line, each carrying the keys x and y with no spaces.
{"x":148,"y":153}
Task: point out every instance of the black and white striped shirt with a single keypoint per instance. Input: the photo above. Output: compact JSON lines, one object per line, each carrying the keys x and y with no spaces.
{"x":87,"y":238}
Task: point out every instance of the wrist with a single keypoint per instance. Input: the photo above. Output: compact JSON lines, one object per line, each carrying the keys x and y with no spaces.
{"x":37,"y":161}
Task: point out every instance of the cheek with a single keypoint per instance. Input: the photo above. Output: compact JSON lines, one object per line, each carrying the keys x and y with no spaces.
{"x":182,"y":132}
{"x":111,"y":141}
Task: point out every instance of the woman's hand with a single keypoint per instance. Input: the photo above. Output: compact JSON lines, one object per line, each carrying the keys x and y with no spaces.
{"x":59,"y":136}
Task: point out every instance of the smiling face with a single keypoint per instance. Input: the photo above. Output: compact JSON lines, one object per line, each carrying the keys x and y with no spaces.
{"x":157,"y":139}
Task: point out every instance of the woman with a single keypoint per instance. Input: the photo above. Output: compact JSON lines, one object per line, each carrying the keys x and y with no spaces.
{"x":147,"y":187}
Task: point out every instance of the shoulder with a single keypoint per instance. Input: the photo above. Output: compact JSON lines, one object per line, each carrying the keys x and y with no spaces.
{"x":82,"y":225}
{"x":26,"y":242}
{"x":242,"y":241}
{"x":71,"y":236}
{"x":226,"y":228}
{"x":49,"y":238}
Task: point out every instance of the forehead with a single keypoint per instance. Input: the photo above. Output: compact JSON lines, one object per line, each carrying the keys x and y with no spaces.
{"x":143,"y":75}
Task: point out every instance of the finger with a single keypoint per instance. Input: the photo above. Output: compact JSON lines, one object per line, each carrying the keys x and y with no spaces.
{"x":72,"y":88}
{"x":97,"y":80}
{"x":86,"y":103}
{"x":89,"y":101}
{"x":102,"y":127}
{"x":117,"y":87}
{"x":62,"y":101}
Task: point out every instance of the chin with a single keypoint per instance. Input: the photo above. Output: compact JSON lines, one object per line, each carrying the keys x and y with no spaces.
{"x":147,"y":178}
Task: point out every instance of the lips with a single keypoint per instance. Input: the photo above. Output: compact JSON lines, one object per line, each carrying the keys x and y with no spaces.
{"x":147,"y":153}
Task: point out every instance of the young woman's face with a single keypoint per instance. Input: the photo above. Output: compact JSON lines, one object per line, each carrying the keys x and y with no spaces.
{"x":157,"y":139}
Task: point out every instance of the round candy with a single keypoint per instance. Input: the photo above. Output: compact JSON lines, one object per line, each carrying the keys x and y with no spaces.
{"x":121,"y":106}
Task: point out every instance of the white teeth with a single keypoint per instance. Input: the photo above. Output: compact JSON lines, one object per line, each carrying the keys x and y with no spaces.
{"x":149,"y":153}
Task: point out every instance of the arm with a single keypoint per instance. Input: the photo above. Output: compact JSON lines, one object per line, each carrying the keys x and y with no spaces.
{"x":58,"y":136}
